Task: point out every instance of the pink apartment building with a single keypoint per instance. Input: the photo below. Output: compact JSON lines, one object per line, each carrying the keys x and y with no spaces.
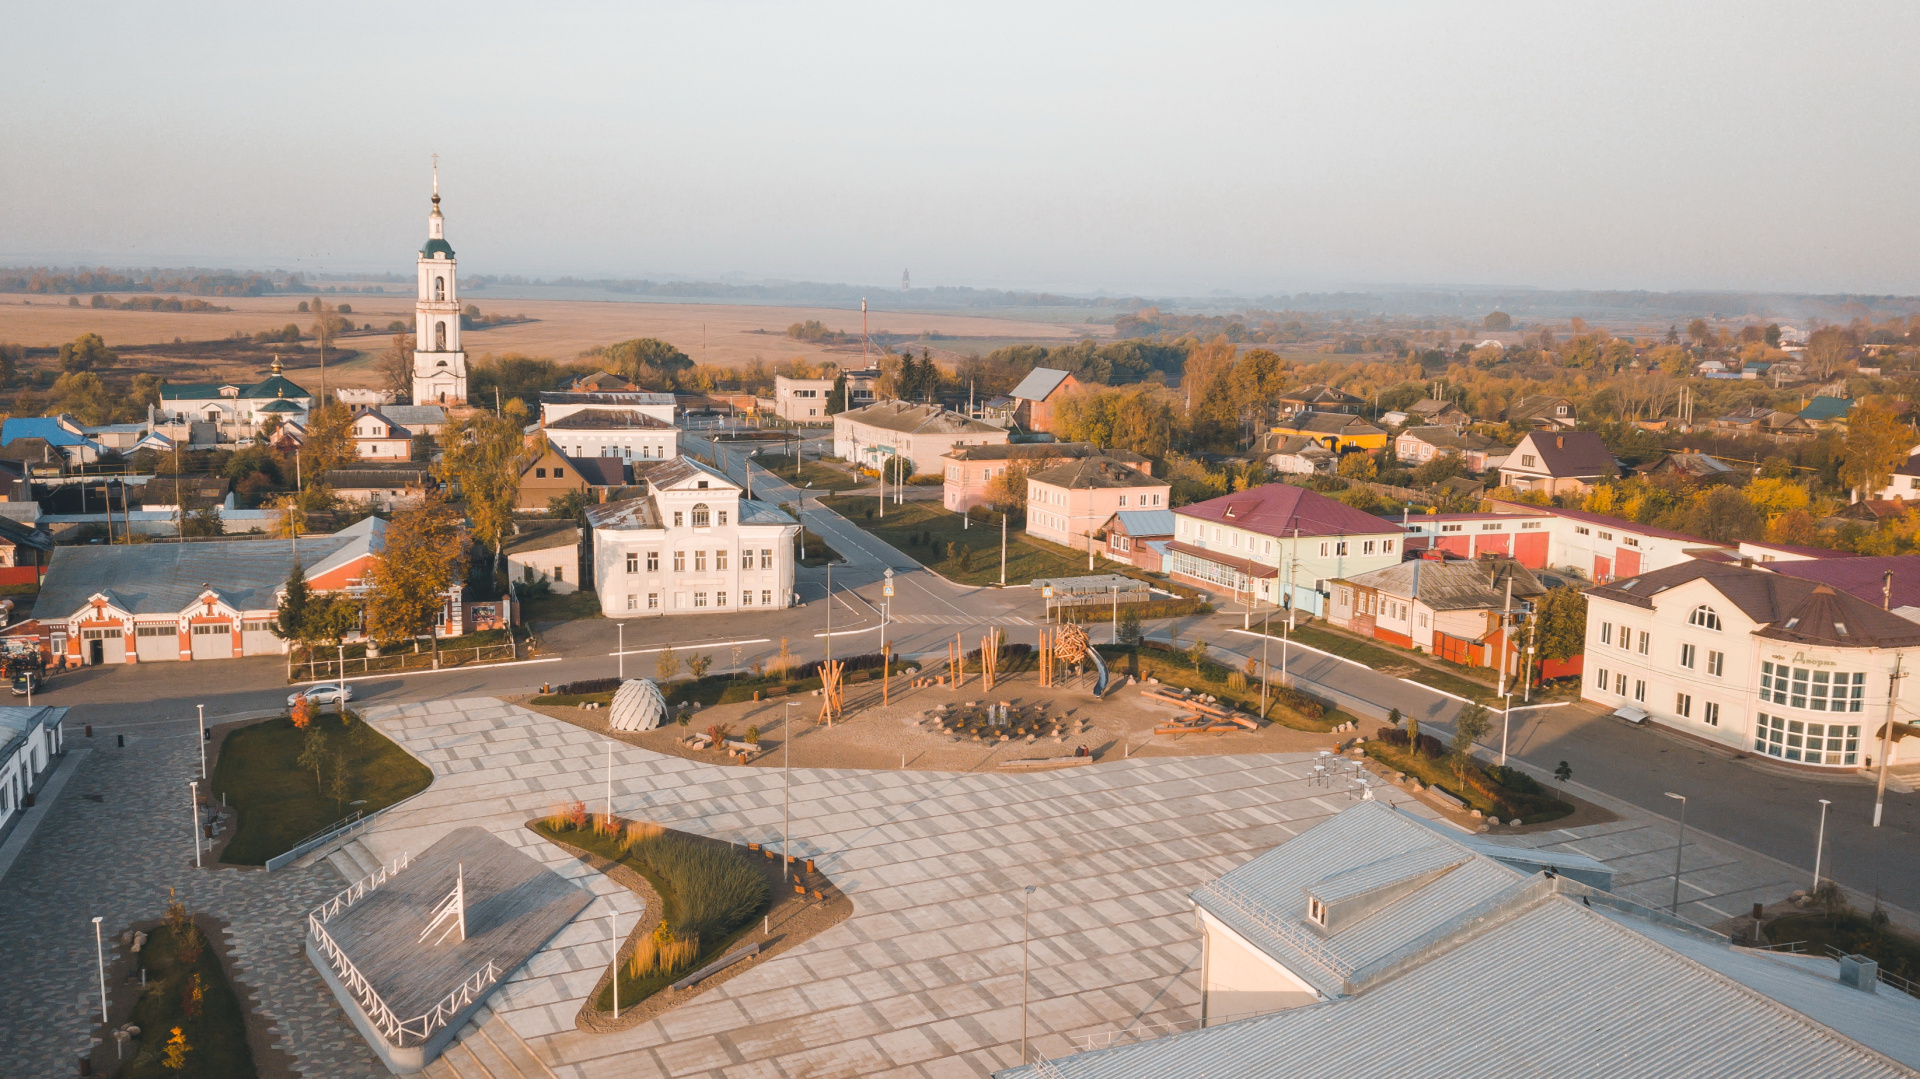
{"x":1068,"y":503}
{"x":971,"y":470}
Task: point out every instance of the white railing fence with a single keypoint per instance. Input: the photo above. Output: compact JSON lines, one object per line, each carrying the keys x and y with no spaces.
{"x":358,"y":890}
{"x":1293,"y":935}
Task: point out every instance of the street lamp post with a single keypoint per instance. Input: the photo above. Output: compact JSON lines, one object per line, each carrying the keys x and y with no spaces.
{"x":1820,"y":843}
{"x":203,"y":733}
{"x":886,"y":607}
{"x":1506,"y":717}
{"x":1679,"y":848}
{"x":609,"y":782}
{"x":1025,"y":910}
{"x":786,"y":779}
{"x":341,"y":686}
{"x":620,"y":650}
{"x":193,"y":807}
{"x":100,"y":963}
{"x":1266,"y":672}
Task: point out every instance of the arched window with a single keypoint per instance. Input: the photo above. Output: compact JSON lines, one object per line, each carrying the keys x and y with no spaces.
{"x":1705,"y":617}
{"x":439,"y":287}
{"x":440,"y":337}
{"x":700,"y":516}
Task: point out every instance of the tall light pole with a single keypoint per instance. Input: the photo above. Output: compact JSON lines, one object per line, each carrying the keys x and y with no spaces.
{"x":193,"y":806}
{"x":609,"y":782}
{"x":1679,"y":848}
{"x":1025,"y":910}
{"x":341,"y":686}
{"x":203,"y":733}
{"x":1266,"y":672}
{"x":1003,"y":550}
{"x":1820,"y":843}
{"x":1886,"y":738}
{"x":100,"y":963}
{"x":786,"y":777}
{"x":1506,"y":718}
{"x":613,"y":921}
{"x":620,"y":650}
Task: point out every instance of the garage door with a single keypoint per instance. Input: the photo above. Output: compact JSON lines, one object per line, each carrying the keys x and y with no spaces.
{"x":1531,"y":549}
{"x":111,"y":646}
{"x":213,"y":642}
{"x":157,"y":644}
{"x":258,"y":639}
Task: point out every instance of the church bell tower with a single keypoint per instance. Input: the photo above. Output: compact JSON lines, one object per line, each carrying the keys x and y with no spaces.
{"x":439,"y":365}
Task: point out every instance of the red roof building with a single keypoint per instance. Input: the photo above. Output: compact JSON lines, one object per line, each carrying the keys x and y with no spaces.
{"x":1277,"y":544}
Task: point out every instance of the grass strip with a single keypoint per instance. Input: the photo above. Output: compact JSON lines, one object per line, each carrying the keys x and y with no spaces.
{"x":280,"y":801}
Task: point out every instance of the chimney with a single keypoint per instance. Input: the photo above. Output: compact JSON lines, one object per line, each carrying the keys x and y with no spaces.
{"x":1559,"y":442}
{"x":1859,"y":972}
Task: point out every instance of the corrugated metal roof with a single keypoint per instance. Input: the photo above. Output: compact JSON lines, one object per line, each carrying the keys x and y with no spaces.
{"x":1560,"y":990}
{"x":1468,"y":585}
{"x":17,"y":724}
{"x":1276,"y":509}
{"x":1039,"y":382}
{"x":1390,"y":870}
{"x":1146,"y":522}
{"x":164,"y":578}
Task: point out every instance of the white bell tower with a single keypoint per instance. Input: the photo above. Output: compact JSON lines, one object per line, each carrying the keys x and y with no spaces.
{"x":439,"y":366}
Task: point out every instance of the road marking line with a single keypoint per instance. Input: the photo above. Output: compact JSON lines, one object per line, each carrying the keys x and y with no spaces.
{"x":848,"y":632}
{"x":696,"y":644}
{"x":443,"y":670}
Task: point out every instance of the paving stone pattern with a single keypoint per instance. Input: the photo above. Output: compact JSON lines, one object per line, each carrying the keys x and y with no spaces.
{"x":116,"y":858}
{"x":924,"y":978}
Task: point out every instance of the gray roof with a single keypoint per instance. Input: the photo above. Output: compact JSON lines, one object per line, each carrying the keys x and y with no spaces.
{"x":755,"y":512}
{"x":542,"y":536}
{"x":918,"y":419}
{"x":17,"y":724}
{"x":164,"y":578}
{"x":1146,"y":522}
{"x":602,"y":419}
{"x":1465,"y":585}
{"x":1039,"y":383}
{"x":1330,"y":423}
{"x":1092,"y":472}
{"x":1475,"y":969}
{"x":629,"y":398}
{"x":411,"y":416}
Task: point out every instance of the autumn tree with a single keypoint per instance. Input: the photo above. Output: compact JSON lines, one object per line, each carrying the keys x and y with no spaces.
{"x":329,"y":441}
{"x":485,"y":453}
{"x":1828,"y":348}
{"x":395,"y":366}
{"x":1142,"y":419}
{"x":424,"y":555}
{"x":1468,"y":726}
{"x":1560,"y":623}
{"x":648,"y":362}
{"x":1497,"y":320}
{"x":1877,"y":442}
{"x":290,"y":621}
{"x":86,"y":352}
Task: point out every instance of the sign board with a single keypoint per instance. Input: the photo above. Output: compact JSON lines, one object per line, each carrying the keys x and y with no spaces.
{"x":887,"y":590}
{"x":1046,"y":591}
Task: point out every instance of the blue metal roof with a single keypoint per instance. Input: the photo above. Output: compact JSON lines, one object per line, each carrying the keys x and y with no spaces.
{"x":1146,"y":522}
{"x":45,"y":427}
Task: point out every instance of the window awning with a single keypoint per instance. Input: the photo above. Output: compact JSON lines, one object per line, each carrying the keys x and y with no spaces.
{"x":1245,"y":566}
{"x":1631,"y":713}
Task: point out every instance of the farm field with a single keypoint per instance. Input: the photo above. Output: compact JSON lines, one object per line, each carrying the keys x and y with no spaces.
{"x":723,"y":334}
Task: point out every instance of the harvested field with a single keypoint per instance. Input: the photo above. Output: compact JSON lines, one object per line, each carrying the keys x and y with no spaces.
{"x":728,"y":335}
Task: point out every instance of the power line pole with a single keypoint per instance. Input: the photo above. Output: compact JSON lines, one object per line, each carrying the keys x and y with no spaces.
{"x":1886,"y":738}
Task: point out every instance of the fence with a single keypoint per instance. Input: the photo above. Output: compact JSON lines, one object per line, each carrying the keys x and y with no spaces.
{"x":338,"y":829}
{"x":320,"y":670}
{"x":395,"y":1030}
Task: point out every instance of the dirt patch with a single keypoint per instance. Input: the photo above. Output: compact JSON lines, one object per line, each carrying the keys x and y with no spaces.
{"x":791,"y":920}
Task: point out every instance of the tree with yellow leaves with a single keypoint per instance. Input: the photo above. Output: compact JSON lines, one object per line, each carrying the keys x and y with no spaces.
{"x":177,"y":1050}
{"x":1877,"y":442}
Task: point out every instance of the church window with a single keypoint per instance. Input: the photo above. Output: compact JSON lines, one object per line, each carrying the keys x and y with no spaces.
{"x":439,"y":288}
{"x":440,"y":337}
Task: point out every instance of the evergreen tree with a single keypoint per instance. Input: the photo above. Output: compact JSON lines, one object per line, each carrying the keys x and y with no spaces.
{"x":290,"y":623}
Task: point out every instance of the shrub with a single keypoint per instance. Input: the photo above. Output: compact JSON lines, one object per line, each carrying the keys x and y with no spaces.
{"x":1513,"y":779}
{"x":586,"y":686}
{"x":716,"y":888}
{"x":1392,"y":736}
{"x":1296,"y":701}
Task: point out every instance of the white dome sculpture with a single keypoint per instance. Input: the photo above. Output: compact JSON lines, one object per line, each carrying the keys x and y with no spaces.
{"x":637,"y":706}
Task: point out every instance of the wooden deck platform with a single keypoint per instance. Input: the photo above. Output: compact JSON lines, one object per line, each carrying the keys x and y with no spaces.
{"x":514,"y":906}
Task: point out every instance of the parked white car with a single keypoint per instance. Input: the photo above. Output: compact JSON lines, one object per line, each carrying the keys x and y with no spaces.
{"x":323,"y":694}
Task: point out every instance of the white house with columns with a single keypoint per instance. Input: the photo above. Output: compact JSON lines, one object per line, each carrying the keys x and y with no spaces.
{"x":691,"y":545}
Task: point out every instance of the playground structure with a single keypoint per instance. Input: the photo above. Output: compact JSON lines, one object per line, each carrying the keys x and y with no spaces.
{"x":1203,"y":716}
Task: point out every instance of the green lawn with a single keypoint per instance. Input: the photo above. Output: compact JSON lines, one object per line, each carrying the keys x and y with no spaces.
{"x":1477,"y":789}
{"x":729,"y":871}
{"x":822,"y":477}
{"x":553,"y":607}
{"x":1378,"y":655}
{"x":216,"y":1037}
{"x":1027,"y":558}
{"x":280,"y":802}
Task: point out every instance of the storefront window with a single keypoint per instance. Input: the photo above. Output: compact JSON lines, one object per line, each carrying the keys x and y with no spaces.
{"x":1817,"y":690}
{"x":1813,"y":743}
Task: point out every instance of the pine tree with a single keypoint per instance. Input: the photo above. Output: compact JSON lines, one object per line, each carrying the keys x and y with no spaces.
{"x":290,"y":623}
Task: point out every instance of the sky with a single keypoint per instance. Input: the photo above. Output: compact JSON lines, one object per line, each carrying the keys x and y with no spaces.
{"x":1162,"y":149}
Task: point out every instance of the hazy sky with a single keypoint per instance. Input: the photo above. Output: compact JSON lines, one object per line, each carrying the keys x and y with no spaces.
{"x":1160,"y":147}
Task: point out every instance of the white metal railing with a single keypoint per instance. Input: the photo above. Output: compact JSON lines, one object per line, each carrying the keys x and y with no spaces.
{"x":394,"y":1029}
{"x":356,"y":891}
{"x":1892,"y":981}
{"x":1045,"y":1070}
{"x":1308,"y":945}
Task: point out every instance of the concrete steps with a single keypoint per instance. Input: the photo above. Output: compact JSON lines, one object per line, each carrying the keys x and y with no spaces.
{"x":487,"y":1048}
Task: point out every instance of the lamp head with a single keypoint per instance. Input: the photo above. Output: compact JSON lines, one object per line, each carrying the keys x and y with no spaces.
{"x":1681,"y":797}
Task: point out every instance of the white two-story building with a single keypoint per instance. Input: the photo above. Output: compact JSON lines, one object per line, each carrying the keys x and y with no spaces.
{"x":1751,"y":659}
{"x":690,"y":545}
{"x":1278,"y":545}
